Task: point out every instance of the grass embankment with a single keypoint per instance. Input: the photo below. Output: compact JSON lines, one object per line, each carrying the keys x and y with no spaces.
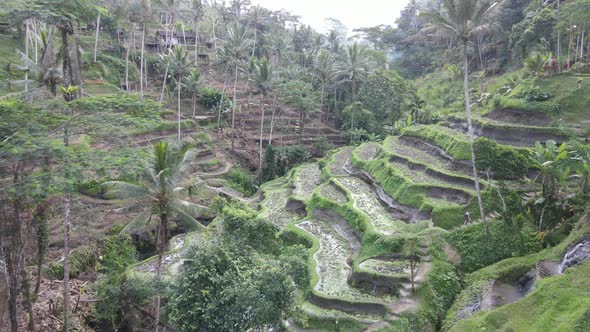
{"x":406,"y":191}
{"x":558,"y":303}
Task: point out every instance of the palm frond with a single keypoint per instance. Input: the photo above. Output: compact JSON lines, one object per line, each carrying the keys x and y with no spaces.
{"x":124,"y":190}
{"x":140,"y":221}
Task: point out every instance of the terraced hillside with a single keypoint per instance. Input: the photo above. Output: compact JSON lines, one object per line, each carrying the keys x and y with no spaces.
{"x":357,"y":208}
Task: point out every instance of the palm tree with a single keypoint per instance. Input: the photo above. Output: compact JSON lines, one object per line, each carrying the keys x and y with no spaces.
{"x":144,"y":12}
{"x":192,"y":85}
{"x":160,"y":193}
{"x":264,"y":83}
{"x":356,"y":68}
{"x":180,"y":67}
{"x":235,"y":47}
{"x":197,"y":9}
{"x":326,"y":71}
{"x":462,"y":20}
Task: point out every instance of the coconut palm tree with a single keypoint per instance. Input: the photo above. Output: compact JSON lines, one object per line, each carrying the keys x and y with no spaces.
{"x":143,"y":10}
{"x":197,"y":10}
{"x":180,"y":67}
{"x":326,"y":71}
{"x":264,"y":81}
{"x":462,"y":20}
{"x":355,"y":67}
{"x":235,"y":47}
{"x":160,"y":193}
{"x":192,"y":85}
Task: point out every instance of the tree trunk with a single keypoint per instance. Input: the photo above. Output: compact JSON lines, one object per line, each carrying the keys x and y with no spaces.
{"x":254,"y":43}
{"x":178,"y":87}
{"x":28,"y":296}
{"x":141,"y":61}
{"x":27,"y":55}
{"x":353,"y":106}
{"x":196,"y":23}
{"x":194,"y":104}
{"x":233,"y":110}
{"x":272,"y":120}
{"x":164,"y":80}
{"x":471,"y":135}
{"x":12,"y":288}
{"x":221,"y":105}
{"x":127,"y":64}
{"x":66,"y":58}
{"x":161,"y":248}
{"x":301,"y":125}
{"x":412,"y":276}
{"x":40,"y":220}
{"x":66,"y":281}
{"x":96,"y":36}
{"x":261,"y":133}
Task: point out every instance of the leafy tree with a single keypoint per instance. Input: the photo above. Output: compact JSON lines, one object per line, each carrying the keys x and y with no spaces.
{"x":411,"y":250}
{"x":384,"y":95}
{"x":234,"y":282}
{"x":160,"y":194}
{"x":462,"y":20}
{"x":269,"y":171}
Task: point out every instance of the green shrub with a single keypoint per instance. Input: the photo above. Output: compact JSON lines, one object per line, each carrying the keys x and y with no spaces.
{"x":320,"y":146}
{"x":501,"y":161}
{"x":81,"y":258}
{"x":211,"y":98}
{"x":242,"y":181}
{"x":505,"y":240}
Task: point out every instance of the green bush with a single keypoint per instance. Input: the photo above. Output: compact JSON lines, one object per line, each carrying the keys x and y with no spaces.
{"x":505,"y":240}
{"x":502,"y":161}
{"x":320,"y":146}
{"x":242,"y":181}
{"x":81,"y":258}
{"x":211,"y":98}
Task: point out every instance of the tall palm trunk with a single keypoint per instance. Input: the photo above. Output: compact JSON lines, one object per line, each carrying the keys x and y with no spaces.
{"x":141,"y":60}
{"x":272,"y":120}
{"x":261,"y":133}
{"x":96,"y":36}
{"x":178,"y":87}
{"x":164,"y":81}
{"x":127,"y":63}
{"x":27,"y":55}
{"x":471,"y":134}
{"x":66,"y":281}
{"x":161,"y":248}
{"x":221,"y":105}
{"x":233,"y":110}
{"x":196,"y":23}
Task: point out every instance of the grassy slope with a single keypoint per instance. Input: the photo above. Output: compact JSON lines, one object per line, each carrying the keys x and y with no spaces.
{"x":559,"y":303}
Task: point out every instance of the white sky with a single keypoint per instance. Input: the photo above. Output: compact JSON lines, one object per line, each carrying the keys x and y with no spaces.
{"x":353,"y":14}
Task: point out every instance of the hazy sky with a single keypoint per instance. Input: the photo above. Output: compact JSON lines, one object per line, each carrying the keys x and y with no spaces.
{"x":354,"y":14}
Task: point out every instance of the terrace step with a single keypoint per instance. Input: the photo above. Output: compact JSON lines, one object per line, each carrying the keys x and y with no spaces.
{"x":521,"y":136}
